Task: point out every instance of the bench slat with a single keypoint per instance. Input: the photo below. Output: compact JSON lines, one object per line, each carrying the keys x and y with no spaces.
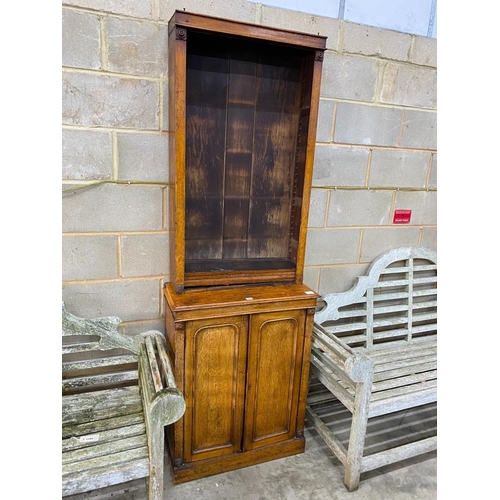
{"x":404,"y":381}
{"x":429,"y":316}
{"x":415,"y":366}
{"x":80,"y":347}
{"x":346,"y":328}
{"x":90,"y":364}
{"x":402,"y":452}
{"x":405,"y":282}
{"x":404,"y":349}
{"x":392,"y":283}
{"x":108,"y":429}
{"x":386,"y":296}
{"x":100,"y":399}
{"x":420,"y":281}
{"x":382,"y":323}
{"x":404,"y":269}
{"x":101,"y":379}
{"x":103,"y":449}
{"x":403,"y":402}
{"x":391,"y":360}
{"x":406,"y":392}
{"x":424,"y":328}
{"x":425,"y":305}
{"x":405,"y":370}
{"x":389,"y":334}
{"x":77,"y":418}
{"x":114,"y":458}
{"x":395,"y":344}
{"x":87,"y":480}
{"x":153,"y":365}
{"x":166,"y":366}
{"x":394,"y":358}
{"x":425,"y":293}
{"x":395,"y":270}
{"x":390,"y":309}
{"x":401,"y":319}
{"x":81,"y":408}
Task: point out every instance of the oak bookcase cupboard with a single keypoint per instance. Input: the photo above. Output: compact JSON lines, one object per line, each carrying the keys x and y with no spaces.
{"x":243,"y":105}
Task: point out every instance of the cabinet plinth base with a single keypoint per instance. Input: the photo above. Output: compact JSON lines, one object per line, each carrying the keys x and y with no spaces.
{"x":210,"y":467}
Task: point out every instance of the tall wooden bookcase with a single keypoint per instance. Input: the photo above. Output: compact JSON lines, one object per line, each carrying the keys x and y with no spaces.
{"x":243,"y":105}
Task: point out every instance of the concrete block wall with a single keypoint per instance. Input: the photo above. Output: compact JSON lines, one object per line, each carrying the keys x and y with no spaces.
{"x":376,"y":150}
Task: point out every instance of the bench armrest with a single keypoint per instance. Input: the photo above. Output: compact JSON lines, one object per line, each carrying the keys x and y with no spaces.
{"x":160,"y":395}
{"x":358,"y":367}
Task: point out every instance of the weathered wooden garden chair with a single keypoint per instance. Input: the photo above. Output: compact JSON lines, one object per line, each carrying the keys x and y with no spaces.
{"x":114,"y":405}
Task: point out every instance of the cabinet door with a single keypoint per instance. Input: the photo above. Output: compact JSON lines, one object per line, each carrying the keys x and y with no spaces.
{"x":274,"y":367}
{"x":215,"y":366}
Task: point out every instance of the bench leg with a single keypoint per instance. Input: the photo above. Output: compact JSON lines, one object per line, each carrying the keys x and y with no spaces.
{"x":156,"y":451}
{"x":357,"y":436}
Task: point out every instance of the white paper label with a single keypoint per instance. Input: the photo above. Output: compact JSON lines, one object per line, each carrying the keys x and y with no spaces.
{"x":89,"y":439}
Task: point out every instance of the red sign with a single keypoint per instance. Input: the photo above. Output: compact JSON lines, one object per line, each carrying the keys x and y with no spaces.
{"x":401,"y":216}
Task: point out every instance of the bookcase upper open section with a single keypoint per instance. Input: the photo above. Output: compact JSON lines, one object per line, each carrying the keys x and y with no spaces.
{"x":243,"y":105}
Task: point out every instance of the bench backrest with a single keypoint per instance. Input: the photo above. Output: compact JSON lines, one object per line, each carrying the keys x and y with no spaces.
{"x":396,"y":301}
{"x":95,"y":355}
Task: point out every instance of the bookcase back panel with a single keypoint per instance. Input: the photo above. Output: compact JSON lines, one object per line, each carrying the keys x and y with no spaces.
{"x":243,"y":106}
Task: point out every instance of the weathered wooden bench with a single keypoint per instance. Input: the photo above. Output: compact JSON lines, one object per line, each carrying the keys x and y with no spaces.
{"x":375,"y":351}
{"x":114,"y":405}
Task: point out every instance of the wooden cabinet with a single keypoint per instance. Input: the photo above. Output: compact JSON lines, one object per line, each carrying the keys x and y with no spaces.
{"x":242,"y":362}
{"x":243,"y":106}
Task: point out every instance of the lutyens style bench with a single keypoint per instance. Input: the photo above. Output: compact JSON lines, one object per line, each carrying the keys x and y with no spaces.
{"x":375,"y":351}
{"x":118,"y":394}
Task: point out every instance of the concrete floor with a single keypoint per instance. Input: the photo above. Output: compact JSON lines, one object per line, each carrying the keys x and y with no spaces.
{"x":315,"y":474}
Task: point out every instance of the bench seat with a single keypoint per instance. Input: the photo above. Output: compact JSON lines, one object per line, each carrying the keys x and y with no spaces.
{"x":403,"y":377}
{"x":121,"y":452}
